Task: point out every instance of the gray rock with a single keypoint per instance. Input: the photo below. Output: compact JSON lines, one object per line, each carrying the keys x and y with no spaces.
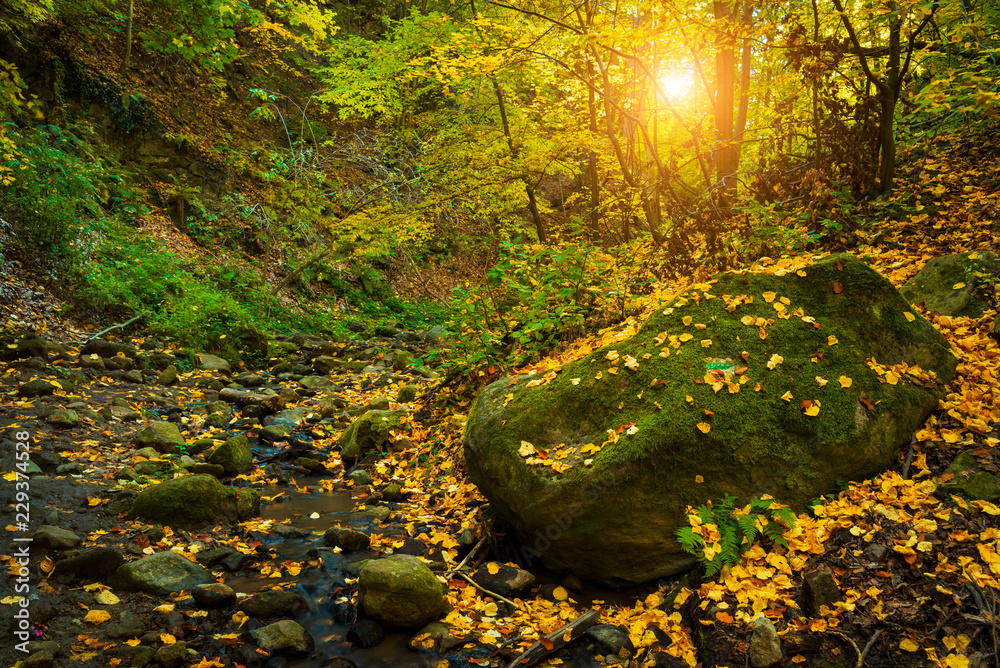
{"x":615,"y":519}
{"x":43,"y":659}
{"x":291,"y":417}
{"x":214,"y":595}
{"x":440,"y":638}
{"x":171,"y":656}
{"x":508,"y":580}
{"x":379,"y":513}
{"x":160,"y":573}
{"x":612,"y":639}
{"x":126,"y":624}
{"x":360,"y":477}
{"x":275,"y":432}
{"x":401,"y":360}
{"x":91,"y":362}
{"x":372,"y":430}
{"x":365,"y":633}
{"x":379,"y":404}
{"x":95,"y":563}
{"x":274,"y":603}
{"x":247,"y":379}
{"x":875,"y":552}
{"x":125,"y":414}
{"x":284,"y":638}
{"x":193,"y":501}
{"x":970,"y":480}
{"x":163,"y":437}
{"x":392,"y":493}
{"x":134,"y":376}
{"x":324,"y":364}
{"x":315,"y":382}
{"x":63,"y":418}
{"x":935,"y":284}
{"x":36,"y":388}
{"x":107,"y":349}
{"x":69,"y":469}
{"x":139,"y":656}
{"x":168,"y":376}
{"x":765,"y":648}
{"x":435,"y":334}
{"x":347,"y":540}
{"x":213,"y":363}
{"x":818,"y":589}
{"x":400,"y":591}
{"x":234,"y":456}
{"x":55,"y":538}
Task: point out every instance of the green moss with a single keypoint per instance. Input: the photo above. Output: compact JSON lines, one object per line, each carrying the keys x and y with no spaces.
{"x":194,"y":500}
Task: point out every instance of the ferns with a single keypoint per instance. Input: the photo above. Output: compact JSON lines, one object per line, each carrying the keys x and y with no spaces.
{"x":720,"y":533}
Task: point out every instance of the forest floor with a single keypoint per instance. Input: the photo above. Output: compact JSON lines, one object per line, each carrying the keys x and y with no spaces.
{"x":927,"y":597}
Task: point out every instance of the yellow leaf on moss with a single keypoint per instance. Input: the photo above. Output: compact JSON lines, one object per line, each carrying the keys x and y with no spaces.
{"x":845,"y":382}
{"x":958,"y":286}
{"x":831,"y":340}
{"x":704,"y":427}
{"x":909,"y":316}
{"x":769,"y":296}
{"x":787,"y":396}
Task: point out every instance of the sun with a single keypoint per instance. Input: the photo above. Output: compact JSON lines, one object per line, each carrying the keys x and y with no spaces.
{"x":675,"y":85}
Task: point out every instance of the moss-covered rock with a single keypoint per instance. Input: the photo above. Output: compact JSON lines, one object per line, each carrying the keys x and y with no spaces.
{"x":954,"y":284}
{"x":160,"y":573}
{"x":193,"y":501}
{"x":371,"y":431}
{"x":710,"y":388}
{"x":234,"y":456}
{"x":400,"y":591}
{"x":162,"y":436}
{"x":969,"y":480}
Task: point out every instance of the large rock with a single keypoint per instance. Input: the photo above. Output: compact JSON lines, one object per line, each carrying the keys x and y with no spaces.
{"x":400,"y":591}
{"x":947,"y":284}
{"x":195,"y":500}
{"x":15,"y":346}
{"x":372,"y":430}
{"x":213,"y":363}
{"x":234,"y":456}
{"x":160,"y":573}
{"x":709,"y":388}
{"x":284,"y":637}
{"x":162,"y":436}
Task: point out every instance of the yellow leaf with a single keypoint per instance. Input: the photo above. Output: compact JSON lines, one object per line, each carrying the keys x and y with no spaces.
{"x":769,"y":296}
{"x":240,"y":618}
{"x":813,"y":410}
{"x":97,"y":616}
{"x":909,"y":316}
{"x":685,"y":337}
{"x":686,"y":320}
{"x":831,"y":340}
{"x":167,"y":639}
{"x":106,"y":598}
{"x":821,"y":381}
{"x":699,"y":479}
{"x":787,"y":396}
{"x":958,"y":286}
{"x":704,"y":427}
{"x":493,"y":568}
{"x":93,"y":501}
{"x":10,"y":600}
{"x":166,"y":607}
{"x":957,"y":661}
{"x":560,"y":594}
{"x":908,"y":645}
{"x":526,"y":449}
{"x":134,"y":642}
{"x":845,"y":382}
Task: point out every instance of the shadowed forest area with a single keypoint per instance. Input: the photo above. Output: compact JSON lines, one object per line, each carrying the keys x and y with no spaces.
{"x":488,"y":333}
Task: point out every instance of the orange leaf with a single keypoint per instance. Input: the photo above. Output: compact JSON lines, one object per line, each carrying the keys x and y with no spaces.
{"x":724,"y":617}
{"x":838,"y":288}
{"x":704,"y":427}
{"x":547,"y":644}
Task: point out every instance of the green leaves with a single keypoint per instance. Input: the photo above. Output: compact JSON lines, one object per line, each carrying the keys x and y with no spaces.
{"x":720,"y":533}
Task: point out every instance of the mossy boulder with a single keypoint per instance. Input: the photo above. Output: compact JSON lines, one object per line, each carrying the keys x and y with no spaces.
{"x":193,"y":501}
{"x":234,"y":456}
{"x":400,"y":591}
{"x":969,"y":480}
{"x":592,"y":465}
{"x":371,"y":431}
{"x":954,"y":284}
{"x":160,"y":573}
{"x":162,"y":436}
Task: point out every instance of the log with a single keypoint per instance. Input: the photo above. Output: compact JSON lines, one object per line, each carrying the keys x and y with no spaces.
{"x":271,"y":402}
{"x":537,"y":652}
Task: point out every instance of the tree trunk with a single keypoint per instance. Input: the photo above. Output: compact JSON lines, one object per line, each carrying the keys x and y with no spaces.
{"x":595,"y":186}
{"x":128,"y":38}
{"x":727,"y":160}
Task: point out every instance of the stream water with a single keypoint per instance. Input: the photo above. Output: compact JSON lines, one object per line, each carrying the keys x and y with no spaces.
{"x":333,"y":508}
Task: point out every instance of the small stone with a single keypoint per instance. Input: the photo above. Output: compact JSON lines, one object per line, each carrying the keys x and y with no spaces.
{"x":168,"y":376}
{"x":214,"y":595}
{"x":43,"y":659}
{"x":765,"y":648}
{"x":160,"y":573}
{"x":365,"y":633}
{"x":507,"y":580}
{"x":315,"y":382}
{"x":612,"y":639}
{"x":214,"y":363}
{"x":379,"y":404}
{"x":134,"y":376}
{"x":284,"y":637}
{"x":55,"y":538}
{"x":234,"y":456}
{"x":63,"y":418}
{"x":818,"y":589}
{"x":392,"y":493}
{"x":875,"y":552}
{"x":162,"y":436}
{"x":171,"y":656}
{"x":36,"y":388}
{"x":347,"y":540}
{"x":360,"y":477}
{"x":275,"y":433}
{"x":406,"y":394}
{"x":69,"y":469}
{"x":274,"y":603}
{"x":95,"y":563}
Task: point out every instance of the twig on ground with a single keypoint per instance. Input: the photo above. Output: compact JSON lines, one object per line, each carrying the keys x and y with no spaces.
{"x":909,"y":458}
{"x":556,"y":640}
{"x":487,"y":591}
{"x":461,"y":564}
{"x":121,"y":326}
{"x":868,"y":646}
